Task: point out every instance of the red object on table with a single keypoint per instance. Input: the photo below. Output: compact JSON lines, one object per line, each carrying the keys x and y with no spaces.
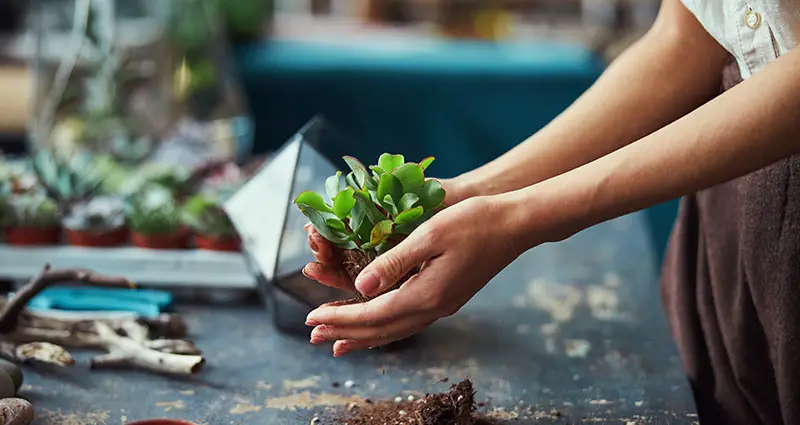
{"x":213,"y":243}
{"x":32,"y":236}
{"x":97,"y":239}
{"x":177,"y":240}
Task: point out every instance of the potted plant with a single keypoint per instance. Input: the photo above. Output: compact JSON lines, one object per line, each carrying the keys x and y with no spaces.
{"x":155,"y":221}
{"x":67,"y":181}
{"x":33,"y":219}
{"x":99,"y":222}
{"x":210,"y":224}
{"x":374,"y":210}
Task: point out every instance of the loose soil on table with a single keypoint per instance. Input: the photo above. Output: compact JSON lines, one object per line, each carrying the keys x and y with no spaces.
{"x":455,"y":407}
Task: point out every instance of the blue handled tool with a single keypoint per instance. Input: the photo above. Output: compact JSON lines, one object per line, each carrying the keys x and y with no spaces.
{"x":146,"y":303}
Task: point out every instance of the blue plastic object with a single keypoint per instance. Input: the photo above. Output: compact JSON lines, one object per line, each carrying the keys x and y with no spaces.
{"x":146,"y":303}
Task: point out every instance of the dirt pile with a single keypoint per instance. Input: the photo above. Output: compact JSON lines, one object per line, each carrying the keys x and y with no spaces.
{"x":455,"y":407}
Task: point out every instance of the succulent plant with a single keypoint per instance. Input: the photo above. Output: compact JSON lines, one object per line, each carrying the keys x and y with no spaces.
{"x":376,"y":207}
{"x":99,"y":214}
{"x":33,"y":210}
{"x":206,"y":217}
{"x":66,"y":181}
{"x":154,"y":212}
{"x":5,"y":205}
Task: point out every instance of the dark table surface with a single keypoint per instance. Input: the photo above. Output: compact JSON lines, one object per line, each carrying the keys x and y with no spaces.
{"x":574,"y":326}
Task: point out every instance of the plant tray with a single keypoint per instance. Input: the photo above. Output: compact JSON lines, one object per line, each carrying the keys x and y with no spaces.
{"x":146,"y":267}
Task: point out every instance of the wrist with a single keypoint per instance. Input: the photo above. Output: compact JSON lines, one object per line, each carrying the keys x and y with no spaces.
{"x":547,"y":212}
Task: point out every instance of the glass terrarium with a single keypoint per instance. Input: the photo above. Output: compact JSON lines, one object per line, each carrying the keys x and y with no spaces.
{"x":271,"y":227}
{"x":136,"y":79}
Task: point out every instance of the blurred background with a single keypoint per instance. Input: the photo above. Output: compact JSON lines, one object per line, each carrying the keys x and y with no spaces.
{"x":188,"y":83}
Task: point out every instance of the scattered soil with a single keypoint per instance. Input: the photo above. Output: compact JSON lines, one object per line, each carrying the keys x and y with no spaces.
{"x":455,"y":407}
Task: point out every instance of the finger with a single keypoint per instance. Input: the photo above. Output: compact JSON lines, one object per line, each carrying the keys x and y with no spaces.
{"x":326,"y":333}
{"x":383,"y":273}
{"x":342,"y":347}
{"x":386,"y":308}
{"x":324,"y":251}
{"x":332,"y":276}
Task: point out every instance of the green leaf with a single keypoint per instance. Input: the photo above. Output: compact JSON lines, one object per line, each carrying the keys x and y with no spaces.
{"x":332,"y":185}
{"x":389,"y":162}
{"x":425,"y":163}
{"x":389,"y":205}
{"x":411,"y":177}
{"x":336,"y":224}
{"x":361,"y":174}
{"x":313,"y":200}
{"x":351,"y":181}
{"x":320,"y":223}
{"x":407,"y":201}
{"x":359,"y":222}
{"x":381,"y":232}
{"x":377,"y":171}
{"x":343,"y":202}
{"x":390,"y":186}
{"x":409,"y":216}
{"x":432,"y":194}
{"x":373,"y":214}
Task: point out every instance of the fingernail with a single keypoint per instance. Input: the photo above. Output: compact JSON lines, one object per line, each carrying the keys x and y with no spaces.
{"x":310,"y":271}
{"x":311,"y":321}
{"x":368,"y":284}
{"x":307,"y":226}
{"x":316,"y":339}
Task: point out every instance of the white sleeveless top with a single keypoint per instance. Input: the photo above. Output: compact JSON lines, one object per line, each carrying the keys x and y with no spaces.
{"x":756,"y":32}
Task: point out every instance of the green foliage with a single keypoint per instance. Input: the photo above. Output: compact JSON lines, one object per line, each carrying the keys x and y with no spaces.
{"x":374,"y":206}
{"x":32,"y":210}
{"x":66,"y":180}
{"x":206,"y":217}
{"x":154,"y":212}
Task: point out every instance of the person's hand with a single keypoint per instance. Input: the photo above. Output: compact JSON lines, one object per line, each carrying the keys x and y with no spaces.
{"x":328,"y":269}
{"x":459,"y":251}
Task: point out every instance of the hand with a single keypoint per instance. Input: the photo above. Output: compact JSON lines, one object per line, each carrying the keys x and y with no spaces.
{"x":328,"y":268}
{"x":459,"y":251}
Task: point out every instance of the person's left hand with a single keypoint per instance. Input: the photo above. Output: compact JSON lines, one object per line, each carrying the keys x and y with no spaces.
{"x":460,"y":250}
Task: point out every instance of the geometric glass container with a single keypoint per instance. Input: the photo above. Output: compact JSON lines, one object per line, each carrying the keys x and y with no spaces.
{"x":271,"y":226}
{"x":135,"y":79}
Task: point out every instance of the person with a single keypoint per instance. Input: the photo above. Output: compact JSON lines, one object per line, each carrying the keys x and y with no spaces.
{"x":706,"y":105}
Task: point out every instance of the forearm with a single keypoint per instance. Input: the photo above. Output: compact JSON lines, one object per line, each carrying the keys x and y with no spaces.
{"x":749,"y":127}
{"x":668,"y":73}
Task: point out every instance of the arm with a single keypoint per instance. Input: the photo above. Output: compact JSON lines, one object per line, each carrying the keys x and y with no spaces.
{"x":749,"y":127}
{"x":673,"y":69}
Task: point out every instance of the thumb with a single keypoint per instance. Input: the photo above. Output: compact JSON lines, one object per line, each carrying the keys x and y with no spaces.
{"x":386,"y":270}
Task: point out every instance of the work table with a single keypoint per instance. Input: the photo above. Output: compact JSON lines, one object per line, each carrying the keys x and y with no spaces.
{"x":571,"y":332}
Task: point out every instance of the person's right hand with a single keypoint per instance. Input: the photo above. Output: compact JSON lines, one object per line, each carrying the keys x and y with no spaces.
{"x":328,"y":269}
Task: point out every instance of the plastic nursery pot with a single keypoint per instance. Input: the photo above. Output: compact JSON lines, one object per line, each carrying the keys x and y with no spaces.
{"x":33,"y":236}
{"x":161,"y":422}
{"x":97,"y":239}
{"x":217,"y":243}
{"x":177,"y":240}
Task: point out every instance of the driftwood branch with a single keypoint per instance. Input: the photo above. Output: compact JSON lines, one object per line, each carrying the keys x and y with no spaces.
{"x":126,"y":338}
{"x":12,"y":309}
{"x":127,"y":351}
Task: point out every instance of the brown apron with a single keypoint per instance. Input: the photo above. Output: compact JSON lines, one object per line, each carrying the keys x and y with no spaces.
{"x":731,"y":291}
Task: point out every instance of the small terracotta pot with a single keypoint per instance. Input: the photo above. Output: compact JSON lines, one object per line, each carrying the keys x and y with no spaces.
{"x":33,"y":236}
{"x":161,"y":422}
{"x":216,"y":243}
{"x":177,"y":240}
{"x":97,"y":239}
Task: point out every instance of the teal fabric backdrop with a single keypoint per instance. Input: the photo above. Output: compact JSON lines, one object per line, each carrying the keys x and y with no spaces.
{"x":463,"y":102}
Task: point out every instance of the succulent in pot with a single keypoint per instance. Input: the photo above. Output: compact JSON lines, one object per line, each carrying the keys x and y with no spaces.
{"x":67,"y":181}
{"x":99,"y":222}
{"x":374,"y":210}
{"x":33,"y":219}
{"x":210,"y":224}
{"x":155,"y":222}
